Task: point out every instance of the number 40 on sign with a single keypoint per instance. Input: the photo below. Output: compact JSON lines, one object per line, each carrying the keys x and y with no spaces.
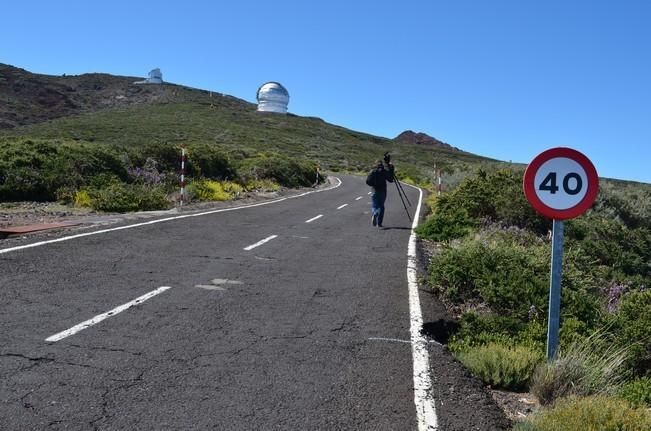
{"x":560,"y":183}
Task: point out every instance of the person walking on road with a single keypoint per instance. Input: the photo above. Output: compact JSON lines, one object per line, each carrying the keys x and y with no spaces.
{"x":377,"y":179}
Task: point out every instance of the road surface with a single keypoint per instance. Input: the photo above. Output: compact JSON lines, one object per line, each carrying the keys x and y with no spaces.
{"x":289,"y":315}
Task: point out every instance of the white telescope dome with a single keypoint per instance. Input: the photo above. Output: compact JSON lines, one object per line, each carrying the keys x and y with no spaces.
{"x":272,"y":97}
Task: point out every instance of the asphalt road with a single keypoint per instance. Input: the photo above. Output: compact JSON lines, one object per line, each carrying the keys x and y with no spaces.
{"x":308,"y":330}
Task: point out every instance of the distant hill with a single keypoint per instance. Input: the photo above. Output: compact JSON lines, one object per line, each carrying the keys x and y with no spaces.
{"x":32,"y":98}
{"x":411,"y":137}
{"x":106,"y":109}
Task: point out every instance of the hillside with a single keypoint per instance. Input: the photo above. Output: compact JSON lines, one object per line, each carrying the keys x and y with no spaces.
{"x":107,"y":109}
{"x":32,"y":98}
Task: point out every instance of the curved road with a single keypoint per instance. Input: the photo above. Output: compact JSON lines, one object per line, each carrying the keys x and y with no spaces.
{"x":282,"y":316}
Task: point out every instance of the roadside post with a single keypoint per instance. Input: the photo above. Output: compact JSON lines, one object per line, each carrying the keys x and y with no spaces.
{"x":184,"y":159}
{"x":560,"y":183}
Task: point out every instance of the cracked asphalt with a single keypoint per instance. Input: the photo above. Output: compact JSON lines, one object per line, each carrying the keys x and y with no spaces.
{"x":298,"y":338}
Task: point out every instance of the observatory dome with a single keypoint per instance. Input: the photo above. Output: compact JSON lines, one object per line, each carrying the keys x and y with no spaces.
{"x":272,"y":97}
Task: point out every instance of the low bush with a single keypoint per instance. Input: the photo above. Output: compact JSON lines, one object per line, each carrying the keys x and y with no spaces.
{"x":120,"y":197}
{"x":591,"y":366}
{"x":208,"y":161}
{"x":477,"y":329}
{"x":208,"y":190}
{"x":501,"y":366}
{"x":637,"y":392}
{"x":509,"y":278}
{"x":446,"y":225}
{"x":36,"y":170}
{"x":597,"y":413}
{"x":82,"y":199}
{"x":631,"y":327}
{"x":285,"y":171}
{"x":494,"y":196}
{"x":262,"y":185}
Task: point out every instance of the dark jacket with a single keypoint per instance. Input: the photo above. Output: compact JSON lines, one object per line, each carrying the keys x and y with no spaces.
{"x":379,"y":176}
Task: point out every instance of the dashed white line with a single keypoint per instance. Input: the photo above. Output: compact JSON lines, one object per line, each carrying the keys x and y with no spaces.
{"x":259,"y":243}
{"x":95,"y":320}
{"x":314,"y":218}
{"x":342,"y":206}
{"x":358,"y":198}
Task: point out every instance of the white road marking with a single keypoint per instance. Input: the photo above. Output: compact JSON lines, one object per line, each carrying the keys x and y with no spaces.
{"x":423,"y":390}
{"x":389,"y":339}
{"x":397,"y":340}
{"x":369,"y":193}
{"x":259,"y":243}
{"x":314,"y":218}
{"x":224,"y":281}
{"x":341,"y":206}
{"x":97,"y":232}
{"x":358,"y":198}
{"x":210,"y":287}
{"x":95,"y":320}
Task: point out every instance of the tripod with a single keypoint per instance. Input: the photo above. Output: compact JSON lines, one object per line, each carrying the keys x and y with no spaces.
{"x":401,"y":193}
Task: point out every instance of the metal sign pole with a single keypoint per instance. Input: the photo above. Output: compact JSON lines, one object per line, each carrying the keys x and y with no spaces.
{"x":555,"y":289}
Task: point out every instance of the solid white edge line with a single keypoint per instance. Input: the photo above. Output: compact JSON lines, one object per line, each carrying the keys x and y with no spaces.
{"x":97,"y":232}
{"x":314,"y":218}
{"x":259,"y":243}
{"x":341,"y":206}
{"x":423,"y":389}
{"x":95,"y":320}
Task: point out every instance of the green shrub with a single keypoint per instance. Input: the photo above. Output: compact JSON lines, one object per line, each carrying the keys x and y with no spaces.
{"x":36,"y":170}
{"x":209,"y":161}
{"x":591,"y":366}
{"x":597,"y":413}
{"x":446,"y":225}
{"x":82,"y":199}
{"x":501,"y":366}
{"x":497,"y":197}
{"x":610,"y":243}
{"x":631,"y":327}
{"x":477,"y":329}
{"x":208,"y":190}
{"x":121,"y":197}
{"x":285,"y":171}
{"x":508,"y":277}
{"x":637,"y":392}
{"x":262,"y":185}
{"x":233,"y":189}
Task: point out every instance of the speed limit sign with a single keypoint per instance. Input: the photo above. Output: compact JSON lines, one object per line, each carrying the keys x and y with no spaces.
{"x":561,"y":183}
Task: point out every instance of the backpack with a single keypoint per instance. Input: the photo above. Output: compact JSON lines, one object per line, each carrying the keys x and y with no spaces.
{"x":374,"y":178}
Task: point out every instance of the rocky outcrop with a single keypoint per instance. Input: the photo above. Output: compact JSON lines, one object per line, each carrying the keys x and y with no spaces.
{"x":411,"y":137}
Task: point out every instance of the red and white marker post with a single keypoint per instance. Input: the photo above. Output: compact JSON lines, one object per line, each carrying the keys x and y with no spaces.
{"x":560,"y":183}
{"x":184,"y":158}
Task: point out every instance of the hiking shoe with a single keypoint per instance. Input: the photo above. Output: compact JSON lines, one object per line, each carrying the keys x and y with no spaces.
{"x":374,"y":220}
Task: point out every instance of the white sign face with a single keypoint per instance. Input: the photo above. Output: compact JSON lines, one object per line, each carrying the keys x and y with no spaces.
{"x":561,"y":183}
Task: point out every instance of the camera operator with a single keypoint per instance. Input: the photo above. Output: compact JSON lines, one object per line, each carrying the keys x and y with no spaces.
{"x":377,"y":179}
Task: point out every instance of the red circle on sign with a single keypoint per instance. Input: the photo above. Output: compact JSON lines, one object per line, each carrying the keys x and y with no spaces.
{"x":529,"y":185}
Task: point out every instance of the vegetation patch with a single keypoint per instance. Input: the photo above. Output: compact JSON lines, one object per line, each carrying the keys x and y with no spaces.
{"x":501,"y":366}
{"x":122,"y":179}
{"x":596,"y":413}
{"x":637,"y":392}
{"x":591,"y":366}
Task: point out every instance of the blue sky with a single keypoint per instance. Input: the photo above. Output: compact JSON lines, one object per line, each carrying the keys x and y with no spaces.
{"x":505,"y":78}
